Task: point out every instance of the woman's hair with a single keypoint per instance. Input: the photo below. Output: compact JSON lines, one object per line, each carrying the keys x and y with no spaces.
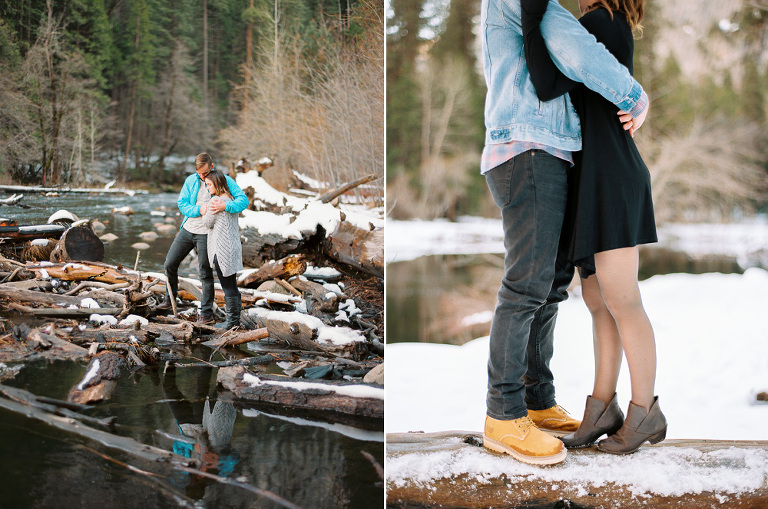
{"x":632,"y":9}
{"x":219,"y":182}
{"x":202,"y":159}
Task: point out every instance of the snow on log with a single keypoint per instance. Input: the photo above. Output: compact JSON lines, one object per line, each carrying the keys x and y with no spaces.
{"x":452,"y":469}
{"x":358,"y":400}
{"x":309,"y":333}
{"x":289,"y":224}
{"x":99,"y":380}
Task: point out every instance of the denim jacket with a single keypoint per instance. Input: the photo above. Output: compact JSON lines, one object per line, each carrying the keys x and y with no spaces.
{"x":187,"y":201}
{"x":513,"y":112}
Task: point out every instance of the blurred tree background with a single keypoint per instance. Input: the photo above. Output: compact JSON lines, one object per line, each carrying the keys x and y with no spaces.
{"x":704,"y":66}
{"x":97,"y":89}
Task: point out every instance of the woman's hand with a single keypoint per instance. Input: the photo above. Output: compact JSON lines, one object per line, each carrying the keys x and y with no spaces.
{"x":203,"y":209}
{"x":216,"y":205}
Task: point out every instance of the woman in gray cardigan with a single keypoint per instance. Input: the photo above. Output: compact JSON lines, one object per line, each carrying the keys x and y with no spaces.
{"x":224,"y":250}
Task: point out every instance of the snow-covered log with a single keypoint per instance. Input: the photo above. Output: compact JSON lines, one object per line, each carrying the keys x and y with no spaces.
{"x":452,"y":469}
{"x":325,"y":397}
{"x":283,"y":224}
{"x":99,"y":380}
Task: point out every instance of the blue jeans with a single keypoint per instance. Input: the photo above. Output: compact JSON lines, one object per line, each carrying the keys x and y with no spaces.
{"x":531,"y":191}
{"x":182,"y":245}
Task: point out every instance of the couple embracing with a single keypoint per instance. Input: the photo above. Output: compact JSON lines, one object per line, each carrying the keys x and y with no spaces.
{"x":210,"y":202}
{"x":561,"y":163}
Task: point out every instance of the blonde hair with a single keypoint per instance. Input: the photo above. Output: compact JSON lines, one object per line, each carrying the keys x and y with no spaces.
{"x":202,"y":159}
{"x":632,"y":9}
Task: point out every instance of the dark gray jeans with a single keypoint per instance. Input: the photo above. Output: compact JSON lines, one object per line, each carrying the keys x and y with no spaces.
{"x":531,"y":190}
{"x":182,"y":245}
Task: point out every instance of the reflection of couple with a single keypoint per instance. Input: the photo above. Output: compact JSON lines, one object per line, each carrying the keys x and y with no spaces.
{"x":602,"y":206}
{"x":210,"y":202}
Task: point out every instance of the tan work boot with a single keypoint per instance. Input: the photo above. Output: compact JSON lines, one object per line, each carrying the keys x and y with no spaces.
{"x":554,"y":420}
{"x":523,"y":441}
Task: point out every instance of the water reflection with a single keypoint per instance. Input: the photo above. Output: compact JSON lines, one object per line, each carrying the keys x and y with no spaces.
{"x":310,"y":464}
{"x":449,"y":298}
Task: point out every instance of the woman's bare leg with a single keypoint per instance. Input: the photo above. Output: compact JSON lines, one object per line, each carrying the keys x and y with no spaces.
{"x":617,"y":277}
{"x":606,"y":340}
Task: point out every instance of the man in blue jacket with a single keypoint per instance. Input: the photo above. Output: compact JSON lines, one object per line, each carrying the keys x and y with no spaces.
{"x":194,"y":200}
{"x":528,"y":151}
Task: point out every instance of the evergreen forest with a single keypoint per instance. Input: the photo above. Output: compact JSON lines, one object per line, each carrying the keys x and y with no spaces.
{"x":93,"y":90}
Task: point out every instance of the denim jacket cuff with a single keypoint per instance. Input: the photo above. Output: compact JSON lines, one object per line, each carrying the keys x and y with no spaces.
{"x":636,"y":101}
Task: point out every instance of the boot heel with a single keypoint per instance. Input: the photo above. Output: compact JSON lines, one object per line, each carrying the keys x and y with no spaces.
{"x":658,"y":437}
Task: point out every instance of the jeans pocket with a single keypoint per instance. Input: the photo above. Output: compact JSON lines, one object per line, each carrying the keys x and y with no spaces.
{"x":499,"y":181}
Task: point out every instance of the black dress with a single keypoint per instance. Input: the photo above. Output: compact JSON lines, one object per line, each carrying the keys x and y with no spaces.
{"x":609,"y":190}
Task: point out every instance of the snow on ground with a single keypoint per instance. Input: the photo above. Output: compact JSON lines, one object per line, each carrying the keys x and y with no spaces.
{"x":712,"y":349}
{"x":746,"y":240}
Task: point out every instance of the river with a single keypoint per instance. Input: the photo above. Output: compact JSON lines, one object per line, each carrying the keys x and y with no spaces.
{"x":311,"y":463}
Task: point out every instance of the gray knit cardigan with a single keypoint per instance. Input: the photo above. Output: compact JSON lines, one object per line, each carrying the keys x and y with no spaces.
{"x":224,"y":240}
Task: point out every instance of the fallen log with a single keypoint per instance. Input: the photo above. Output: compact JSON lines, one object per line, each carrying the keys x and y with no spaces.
{"x":259,"y":249}
{"x":100,"y":379}
{"x":63,"y":312}
{"x":326,"y":397}
{"x":78,"y":243}
{"x":319,"y":300}
{"x":357,"y":247}
{"x":24,"y":233}
{"x":80,"y":272}
{"x":232,"y":338}
{"x":86,"y":190}
{"x":471,"y":490}
{"x":61,"y":348}
{"x":285,"y":268}
{"x":57,"y":407}
{"x":329,"y":196}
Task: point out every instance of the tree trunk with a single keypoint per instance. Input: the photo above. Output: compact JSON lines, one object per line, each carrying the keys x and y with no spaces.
{"x":100,"y":379}
{"x":78,"y":244}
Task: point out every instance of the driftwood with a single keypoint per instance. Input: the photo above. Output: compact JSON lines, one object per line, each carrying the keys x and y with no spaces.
{"x":64,"y":313}
{"x":529,"y":491}
{"x":284,"y":268}
{"x":346,"y":187}
{"x":81,"y":271}
{"x":23,"y":233}
{"x":78,"y":243}
{"x":232,"y":338}
{"x":99,"y":380}
{"x":363,"y":249}
{"x":62,"y":348}
{"x":319,"y":299}
{"x":316,"y":396}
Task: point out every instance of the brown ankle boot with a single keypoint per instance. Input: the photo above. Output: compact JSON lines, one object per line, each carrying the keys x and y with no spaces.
{"x":599,"y":419}
{"x":640,"y":426}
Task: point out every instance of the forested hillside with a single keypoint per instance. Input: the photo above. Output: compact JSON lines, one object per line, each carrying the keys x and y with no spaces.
{"x":99,"y":89}
{"x":702,"y":63}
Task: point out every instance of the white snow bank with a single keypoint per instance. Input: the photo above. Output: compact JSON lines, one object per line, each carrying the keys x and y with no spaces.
{"x":669,"y":471}
{"x":712,"y":350}
{"x":350,"y":431}
{"x":746,"y":240}
{"x":353,"y":391}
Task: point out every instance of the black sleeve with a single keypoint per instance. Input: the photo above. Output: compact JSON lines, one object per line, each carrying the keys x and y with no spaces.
{"x":549,"y":82}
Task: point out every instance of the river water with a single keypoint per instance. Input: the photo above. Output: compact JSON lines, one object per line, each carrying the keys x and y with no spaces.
{"x":311,"y":463}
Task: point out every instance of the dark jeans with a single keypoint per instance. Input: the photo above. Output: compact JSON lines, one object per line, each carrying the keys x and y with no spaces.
{"x":228,"y":283}
{"x":531,"y":190}
{"x":182,"y":245}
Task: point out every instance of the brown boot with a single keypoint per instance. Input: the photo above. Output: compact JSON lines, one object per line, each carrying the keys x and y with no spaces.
{"x":599,"y":419}
{"x":523,"y":441}
{"x":639,"y":427}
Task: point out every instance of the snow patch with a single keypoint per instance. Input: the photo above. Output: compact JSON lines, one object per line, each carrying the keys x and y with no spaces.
{"x":91,"y":373}
{"x":89,"y":303}
{"x":353,"y":391}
